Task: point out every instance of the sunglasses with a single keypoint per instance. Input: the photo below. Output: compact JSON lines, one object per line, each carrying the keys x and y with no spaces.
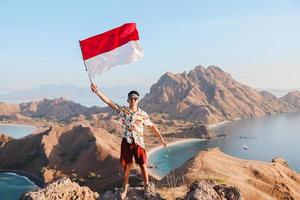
{"x":134,"y":98}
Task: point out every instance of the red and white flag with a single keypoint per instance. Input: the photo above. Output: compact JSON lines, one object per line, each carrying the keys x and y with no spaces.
{"x":118,"y":46}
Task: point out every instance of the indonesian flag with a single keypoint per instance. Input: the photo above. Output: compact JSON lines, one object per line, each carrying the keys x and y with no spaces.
{"x":118,"y":46}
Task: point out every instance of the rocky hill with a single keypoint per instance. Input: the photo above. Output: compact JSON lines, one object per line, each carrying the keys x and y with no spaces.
{"x":293,"y":99}
{"x":57,"y":109}
{"x":89,"y":156}
{"x":209,"y":95}
{"x":255,"y":179}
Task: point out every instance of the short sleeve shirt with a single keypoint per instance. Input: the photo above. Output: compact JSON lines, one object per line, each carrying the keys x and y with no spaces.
{"x":133,"y":123}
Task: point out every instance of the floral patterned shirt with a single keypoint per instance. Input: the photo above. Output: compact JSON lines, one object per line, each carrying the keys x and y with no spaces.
{"x":133,"y":123}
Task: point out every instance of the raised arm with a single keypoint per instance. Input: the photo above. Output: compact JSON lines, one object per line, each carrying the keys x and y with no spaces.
{"x":103,"y":97}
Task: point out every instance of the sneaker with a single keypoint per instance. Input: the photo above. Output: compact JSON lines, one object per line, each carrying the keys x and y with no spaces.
{"x":148,"y":190}
{"x":123,"y":191}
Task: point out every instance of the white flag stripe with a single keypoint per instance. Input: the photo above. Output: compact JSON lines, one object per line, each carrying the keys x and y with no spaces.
{"x":124,"y":54}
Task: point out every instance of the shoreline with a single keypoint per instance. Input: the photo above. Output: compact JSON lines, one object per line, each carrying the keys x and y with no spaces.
{"x":35,"y":129}
{"x":154,"y":149}
{"x":31,"y":176}
{"x":14,"y":124}
{"x":221,"y":123}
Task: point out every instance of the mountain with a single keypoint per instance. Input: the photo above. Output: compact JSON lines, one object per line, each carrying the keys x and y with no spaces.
{"x":255,"y":179}
{"x":203,"y":94}
{"x":57,"y":109}
{"x":293,"y":99}
{"x":88,"y":155}
{"x":209,"y":95}
{"x":278,"y":92}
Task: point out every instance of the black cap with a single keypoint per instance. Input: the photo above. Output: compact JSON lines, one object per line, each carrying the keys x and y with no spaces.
{"x":133,"y":92}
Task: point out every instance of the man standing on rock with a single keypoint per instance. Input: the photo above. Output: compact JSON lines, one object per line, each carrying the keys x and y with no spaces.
{"x":134,"y":119}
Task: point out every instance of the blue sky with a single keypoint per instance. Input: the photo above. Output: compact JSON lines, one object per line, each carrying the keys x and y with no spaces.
{"x":257,"y":41}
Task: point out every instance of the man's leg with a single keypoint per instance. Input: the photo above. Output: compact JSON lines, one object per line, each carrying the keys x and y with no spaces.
{"x":126,"y":160}
{"x":124,"y":189}
{"x":148,"y":189}
{"x":126,"y":169}
{"x":144,"y":171}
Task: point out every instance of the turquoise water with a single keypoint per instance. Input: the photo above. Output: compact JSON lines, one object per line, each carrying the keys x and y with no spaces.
{"x":16,"y":131}
{"x":266,"y":138}
{"x":12,"y":186}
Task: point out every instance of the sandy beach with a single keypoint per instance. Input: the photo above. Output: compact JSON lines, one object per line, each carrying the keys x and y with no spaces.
{"x":215,"y":125}
{"x":153,"y":150}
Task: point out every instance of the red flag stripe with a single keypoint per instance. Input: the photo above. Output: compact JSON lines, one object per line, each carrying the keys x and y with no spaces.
{"x":108,"y":41}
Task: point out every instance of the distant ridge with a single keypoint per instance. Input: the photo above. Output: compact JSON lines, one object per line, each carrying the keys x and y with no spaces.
{"x":57,"y":109}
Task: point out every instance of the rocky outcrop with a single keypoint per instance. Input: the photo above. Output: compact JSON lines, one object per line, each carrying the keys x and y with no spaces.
{"x":4,"y":139}
{"x":211,"y":190}
{"x":293,"y":99}
{"x":65,"y":189}
{"x":62,"y":189}
{"x":89,"y":156}
{"x":136,"y":193}
{"x":255,"y":179}
{"x":199,"y":131}
{"x":209,"y":95}
{"x":8,"y":109}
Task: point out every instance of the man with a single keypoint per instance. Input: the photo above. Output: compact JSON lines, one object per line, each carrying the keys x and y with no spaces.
{"x":133,"y":119}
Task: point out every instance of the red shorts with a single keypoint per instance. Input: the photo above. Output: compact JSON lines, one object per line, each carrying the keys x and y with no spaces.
{"x":128,"y":151}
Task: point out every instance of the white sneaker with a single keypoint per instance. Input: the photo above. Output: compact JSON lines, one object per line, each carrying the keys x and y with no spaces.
{"x":148,"y":190}
{"x":123,"y":191}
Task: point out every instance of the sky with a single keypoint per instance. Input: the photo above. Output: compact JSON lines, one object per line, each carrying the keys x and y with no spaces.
{"x":257,"y":41}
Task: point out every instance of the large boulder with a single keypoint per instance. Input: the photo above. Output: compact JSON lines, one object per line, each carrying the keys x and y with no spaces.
{"x":211,"y":190}
{"x":62,"y":189}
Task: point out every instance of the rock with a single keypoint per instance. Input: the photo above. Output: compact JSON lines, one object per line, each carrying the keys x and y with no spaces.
{"x":280,"y":161}
{"x":62,"y":189}
{"x":136,"y":193}
{"x":202,"y":190}
{"x":210,"y":190}
{"x":4,"y":139}
{"x":228,"y":192}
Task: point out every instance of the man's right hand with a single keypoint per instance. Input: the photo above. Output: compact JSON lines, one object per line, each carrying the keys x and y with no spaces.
{"x":94,"y":88}
{"x":103,"y":97}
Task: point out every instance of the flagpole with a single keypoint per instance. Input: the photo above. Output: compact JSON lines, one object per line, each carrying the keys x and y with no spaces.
{"x":87,"y":71}
{"x":85,"y":66}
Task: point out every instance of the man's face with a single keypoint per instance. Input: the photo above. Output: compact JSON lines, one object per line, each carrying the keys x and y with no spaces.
{"x":133,"y":100}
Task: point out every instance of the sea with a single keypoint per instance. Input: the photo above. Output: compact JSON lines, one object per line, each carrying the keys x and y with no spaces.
{"x":254,"y":139}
